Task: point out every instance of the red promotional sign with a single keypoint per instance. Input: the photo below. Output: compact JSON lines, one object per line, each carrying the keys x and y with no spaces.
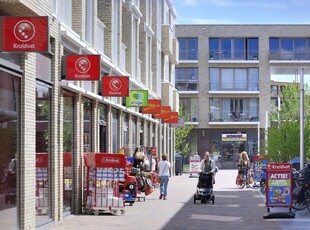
{"x":108,"y":160}
{"x":115,"y":86}
{"x":164,"y":113}
{"x":174,"y":118}
{"x":154,"y":107}
{"x":83,"y":67}
{"x":24,"y":34}
{"x":41,"y":160}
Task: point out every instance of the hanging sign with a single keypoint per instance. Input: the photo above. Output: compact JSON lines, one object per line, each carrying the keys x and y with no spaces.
{"x":24,"y":34}
{"x":115,"y":86}
{"x":174,"y":118}
{"x":153,"y":107}
{"x":83,"y":67}
{"x":137,"y":98}
{"x":164,"y":113}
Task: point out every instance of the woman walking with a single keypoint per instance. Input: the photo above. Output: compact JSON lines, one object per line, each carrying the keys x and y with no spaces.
{"x":163,"y":173}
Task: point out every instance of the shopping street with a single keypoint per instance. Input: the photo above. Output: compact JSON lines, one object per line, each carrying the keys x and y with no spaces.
{"x":234,"y":208}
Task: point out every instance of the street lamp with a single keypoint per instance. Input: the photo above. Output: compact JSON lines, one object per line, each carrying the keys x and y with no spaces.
{"x":301,"y":118}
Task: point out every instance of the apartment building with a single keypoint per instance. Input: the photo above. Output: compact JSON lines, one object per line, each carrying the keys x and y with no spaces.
{"x":47,"y":122}
{"x":223,"y":78}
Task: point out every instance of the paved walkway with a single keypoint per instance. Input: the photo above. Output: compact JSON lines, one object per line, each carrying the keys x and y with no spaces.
{"x":233,"y":209}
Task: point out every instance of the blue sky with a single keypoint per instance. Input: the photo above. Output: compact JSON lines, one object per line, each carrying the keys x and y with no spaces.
{"x":242,"y":11}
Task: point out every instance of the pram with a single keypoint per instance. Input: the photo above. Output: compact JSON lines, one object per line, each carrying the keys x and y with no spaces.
{"x":204,"y":188}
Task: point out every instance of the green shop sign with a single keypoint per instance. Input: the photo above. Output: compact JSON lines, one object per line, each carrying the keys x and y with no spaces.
{"x":137,"y":98}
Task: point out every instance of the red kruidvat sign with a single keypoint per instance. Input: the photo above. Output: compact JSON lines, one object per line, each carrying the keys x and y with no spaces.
{"x":115,"y":86}
{"x":24,"y":34}
{"x":83,"y":67}
{"x":279,"y":166}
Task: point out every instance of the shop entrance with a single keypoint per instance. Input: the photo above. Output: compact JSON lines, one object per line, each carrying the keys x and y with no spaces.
{"x":230,"y":155}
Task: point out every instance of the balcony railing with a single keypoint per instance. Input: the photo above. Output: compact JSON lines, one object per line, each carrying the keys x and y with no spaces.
{"x":235,"y":86}
{"x":289,"y":55}
{"x":233,"y":117}
{"x":234,"y":55}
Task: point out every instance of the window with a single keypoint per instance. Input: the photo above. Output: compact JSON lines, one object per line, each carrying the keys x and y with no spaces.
{"x":234,"y":109}
{"x":188,"y":48}
{"x":100,"y":37}
{"x":87,"y":124}
{"x":186,"y":79}
{"x":65,"y":13}
{"x":289,"y":48}
{"x":233,"y":48}
{"x":274,"y":89}
{"x":190,"y":107}
{"x":89,"y":22}
{"x":115,"y":128}
{"x":244,"y":79}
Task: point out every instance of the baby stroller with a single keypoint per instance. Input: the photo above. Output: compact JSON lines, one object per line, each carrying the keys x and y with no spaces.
{"x":204,"y":188}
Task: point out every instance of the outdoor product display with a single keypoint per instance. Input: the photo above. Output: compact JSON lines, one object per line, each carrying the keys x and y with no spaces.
{"x":102,"y":175}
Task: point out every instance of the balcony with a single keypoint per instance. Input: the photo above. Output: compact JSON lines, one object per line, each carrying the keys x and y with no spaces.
{"x":174,"y":57}
{"x":234,"y":55}
{"x":166,"y":39}
{"x":234,"y":117}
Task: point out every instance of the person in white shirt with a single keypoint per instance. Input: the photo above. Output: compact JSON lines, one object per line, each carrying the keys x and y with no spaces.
{"x":164,"y":167}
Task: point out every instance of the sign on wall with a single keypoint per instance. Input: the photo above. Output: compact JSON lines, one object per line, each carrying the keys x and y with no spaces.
{"x":234,"y":137}
{"x":174,"y":118}
{"x":137,"y":98}
{"x":115,"y":86}
{"x":83,"y":67}
{"x":164,"y":113}
{"x":24,"y":34}
{"x":153,"y":107}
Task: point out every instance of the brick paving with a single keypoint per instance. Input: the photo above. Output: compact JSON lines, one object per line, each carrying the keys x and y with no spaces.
{"x":233,"y":209}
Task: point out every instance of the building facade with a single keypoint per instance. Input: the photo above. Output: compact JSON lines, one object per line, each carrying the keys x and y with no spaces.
{"x":48,"y":122}
{"x":223,"y":78}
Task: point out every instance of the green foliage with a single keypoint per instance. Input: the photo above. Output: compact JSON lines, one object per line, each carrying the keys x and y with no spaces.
{"x":284,"y":134}
{"x":183,"y":135}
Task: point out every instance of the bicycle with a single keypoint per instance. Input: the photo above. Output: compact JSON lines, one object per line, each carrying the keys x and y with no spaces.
{"x":242,"y":178}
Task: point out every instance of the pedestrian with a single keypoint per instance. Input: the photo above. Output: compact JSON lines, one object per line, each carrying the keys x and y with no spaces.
{"x":244,"y":165}
{"x":207,"y":165}
{"x":163,"y":166}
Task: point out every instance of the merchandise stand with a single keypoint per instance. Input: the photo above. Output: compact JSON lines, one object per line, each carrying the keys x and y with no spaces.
{"x":102,"y":175}
{"x":41,"y":183}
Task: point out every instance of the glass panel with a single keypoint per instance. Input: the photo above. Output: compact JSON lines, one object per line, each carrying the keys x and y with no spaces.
{"x":253,"y":48}
{"x":214,"y":48}
{"x":193,"y":49}
{"x":238,"y":51}
{"x":182,"y":49}
{"x":87,"y":125}
{"x":103,"y":128}
{"x":43,"y":111}
{"x":9,"y":148}
{"x":226,"y":48}
{"x":68,"y":130}
{"x":241,"y":79}
{"x":227,"y":78}
{"x":287,"y":48}
{"x":274,"y":48}
{"x":253,"y":79}
{"x":214,"y":79}
{"x":43,"y":67}
{"x":134,"y":131}
{"x":180,"y":74}
{"x":300,"y":47}
{"x":226,"y":112}
{"x":115,"y":128}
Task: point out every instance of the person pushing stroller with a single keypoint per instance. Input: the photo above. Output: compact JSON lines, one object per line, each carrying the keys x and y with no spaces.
{"x":207,"y":165}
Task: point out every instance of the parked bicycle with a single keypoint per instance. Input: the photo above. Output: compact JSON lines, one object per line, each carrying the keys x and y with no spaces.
{"x":262,"y":181}
{"x":301,"y":189}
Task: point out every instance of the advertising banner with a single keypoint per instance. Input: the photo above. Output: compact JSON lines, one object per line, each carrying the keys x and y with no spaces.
{"x":115,"y":86}
{"x":107,"y":160}
{"x":153,"y":107}
{"x":259,"y":163}
{"x":83,"y":67}
{"x":279,"y":185}
{"x":137,"y":98}
{"x":174,"y":118}
{"x":164,"y":113}
{"x":24,"y":34}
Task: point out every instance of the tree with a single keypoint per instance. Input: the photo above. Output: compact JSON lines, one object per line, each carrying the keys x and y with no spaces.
{"x":183,"y":135}
{"x":284,"y":134}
